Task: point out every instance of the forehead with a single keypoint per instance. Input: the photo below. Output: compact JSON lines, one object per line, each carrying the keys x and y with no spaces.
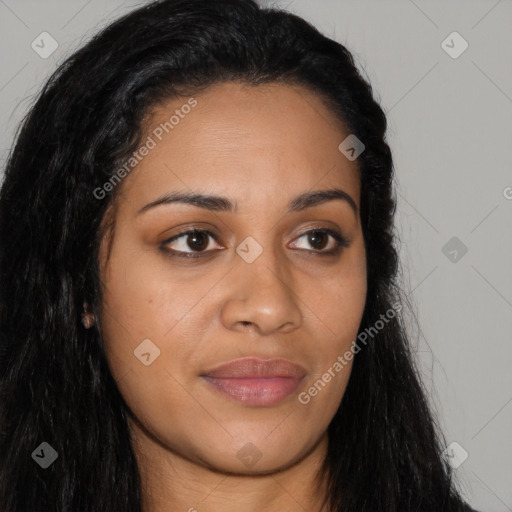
{"x":237,"y":139}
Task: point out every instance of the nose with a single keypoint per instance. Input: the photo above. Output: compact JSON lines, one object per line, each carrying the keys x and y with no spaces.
{"x":262,"y":297}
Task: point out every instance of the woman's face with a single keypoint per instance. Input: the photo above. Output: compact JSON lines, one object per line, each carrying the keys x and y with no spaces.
{"x":265,"y":280}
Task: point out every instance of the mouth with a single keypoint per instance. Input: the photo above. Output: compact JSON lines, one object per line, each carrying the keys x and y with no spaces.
{"x":256,"y":382}
{"x":255,"y":391}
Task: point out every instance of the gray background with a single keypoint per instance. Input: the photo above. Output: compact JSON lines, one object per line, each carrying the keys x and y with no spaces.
{"x":450,"y":131}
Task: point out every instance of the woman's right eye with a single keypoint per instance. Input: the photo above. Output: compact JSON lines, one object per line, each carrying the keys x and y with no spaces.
{"x":195,"y":240}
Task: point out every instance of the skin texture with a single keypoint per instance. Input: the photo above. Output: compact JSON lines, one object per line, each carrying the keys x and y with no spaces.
{"x":261,"y":147}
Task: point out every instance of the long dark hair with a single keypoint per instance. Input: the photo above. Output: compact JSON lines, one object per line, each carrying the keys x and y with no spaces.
{"x":385,"y":450}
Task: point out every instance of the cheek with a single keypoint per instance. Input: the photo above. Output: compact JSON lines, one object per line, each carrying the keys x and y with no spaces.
{"x":149,"y":308}
{"x":337,"y":308}
{"x":323,"y":391}
{"x":338,"y":302}
{"x":135,"y":310}
{"x":143,"y":299}
{"x":146,"y":342}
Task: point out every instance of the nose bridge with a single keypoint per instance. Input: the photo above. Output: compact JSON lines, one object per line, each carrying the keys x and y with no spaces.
{"x":263,"y":263}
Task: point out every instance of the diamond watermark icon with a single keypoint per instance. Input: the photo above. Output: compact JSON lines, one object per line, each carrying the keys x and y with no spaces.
{"x":146,"y":352}
{"x":455,"y":454}
{"x":454,"y":45}
{"x":44,"y":455}
{"x":249,"y":454}
{"x":351,"y":147}
{"x":249,"y":249}
{"x":44,"y":45}
{"x":454,"y":249}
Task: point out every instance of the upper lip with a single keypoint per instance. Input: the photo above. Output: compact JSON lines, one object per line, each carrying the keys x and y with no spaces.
{"x":253,"y":367}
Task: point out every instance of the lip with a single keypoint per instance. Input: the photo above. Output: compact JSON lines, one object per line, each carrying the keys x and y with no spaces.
{"x":254,"y":381}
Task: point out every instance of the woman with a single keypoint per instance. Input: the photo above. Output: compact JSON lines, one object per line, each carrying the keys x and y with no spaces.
{"x":174,"y":334}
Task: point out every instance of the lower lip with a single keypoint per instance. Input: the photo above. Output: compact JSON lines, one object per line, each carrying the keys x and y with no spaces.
{"x":256,"y":391}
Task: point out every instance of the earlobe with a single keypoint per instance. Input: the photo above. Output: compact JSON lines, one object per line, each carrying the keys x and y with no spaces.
{"x":87,"y":317}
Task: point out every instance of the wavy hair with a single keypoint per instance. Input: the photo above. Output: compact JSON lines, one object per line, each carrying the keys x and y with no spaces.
{"x":385,"y":449}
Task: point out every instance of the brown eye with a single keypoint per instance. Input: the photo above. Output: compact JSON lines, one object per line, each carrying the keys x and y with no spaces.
{"x":197,"y":240}
{"x":189,"y":242}
{"x":318,"y":239}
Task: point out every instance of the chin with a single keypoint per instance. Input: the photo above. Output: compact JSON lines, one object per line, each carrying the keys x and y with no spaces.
{"x":253,"y":456}
{"x":234,"y":466}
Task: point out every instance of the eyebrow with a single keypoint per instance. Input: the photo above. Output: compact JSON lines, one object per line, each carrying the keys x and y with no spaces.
{"x":223,"y":204}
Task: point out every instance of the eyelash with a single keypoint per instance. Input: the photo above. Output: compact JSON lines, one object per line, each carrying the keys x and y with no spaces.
{"x":341,"y":242}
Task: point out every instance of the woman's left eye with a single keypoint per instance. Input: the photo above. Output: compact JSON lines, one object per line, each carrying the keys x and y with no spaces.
{"x":316,"y":237}
{"x":197,"y":240}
